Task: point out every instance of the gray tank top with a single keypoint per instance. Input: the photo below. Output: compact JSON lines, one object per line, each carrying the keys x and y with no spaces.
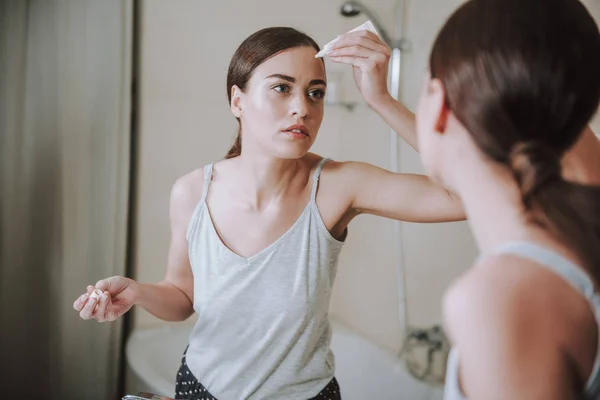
{"x":568,"y":271}
{"x":263,"y":330}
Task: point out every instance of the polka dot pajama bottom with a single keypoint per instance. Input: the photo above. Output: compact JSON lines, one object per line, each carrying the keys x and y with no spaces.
{"x":187,"y":387}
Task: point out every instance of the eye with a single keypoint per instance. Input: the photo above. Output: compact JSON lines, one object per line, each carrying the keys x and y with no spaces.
{"x":282,"y":88}
{"x":316,"y":94}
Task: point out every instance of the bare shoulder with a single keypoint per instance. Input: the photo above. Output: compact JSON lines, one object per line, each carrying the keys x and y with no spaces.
{"x":342,"y":174}
{"x":334,"y":196}
{"x":334,"y":175}
{"x":357,"y":174}
{"x":516,"y":321}
{"x":492,"y":287}
{"x":188,"y":188}
{"x":186,"y":193}
{"x":506,"y":290}
{"x":349,"y":169}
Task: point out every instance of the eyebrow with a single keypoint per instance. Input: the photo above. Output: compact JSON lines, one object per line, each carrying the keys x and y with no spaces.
{"x":293,"y":80}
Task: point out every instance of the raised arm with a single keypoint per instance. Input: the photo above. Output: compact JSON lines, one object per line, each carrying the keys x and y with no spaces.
{"x":404,"y":197}
{"x":369,"y":58}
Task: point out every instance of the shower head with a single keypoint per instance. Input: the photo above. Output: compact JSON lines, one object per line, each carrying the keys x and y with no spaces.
{"x":354,"y":8}
{"x":349,"y":10}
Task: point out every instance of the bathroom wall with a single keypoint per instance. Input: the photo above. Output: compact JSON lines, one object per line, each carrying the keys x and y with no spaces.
{"x":185,"y":122}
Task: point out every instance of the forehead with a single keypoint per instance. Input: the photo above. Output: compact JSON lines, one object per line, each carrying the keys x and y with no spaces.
{"x":297,"y":62}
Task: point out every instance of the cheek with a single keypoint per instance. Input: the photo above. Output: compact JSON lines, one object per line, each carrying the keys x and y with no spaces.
{"x":266,"y":103}
{"x":263,"y":108}
{"x":317,"y":113}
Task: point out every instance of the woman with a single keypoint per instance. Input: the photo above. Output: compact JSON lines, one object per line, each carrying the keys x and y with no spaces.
{"x":256,"y":237}
{"x":512,"y":85}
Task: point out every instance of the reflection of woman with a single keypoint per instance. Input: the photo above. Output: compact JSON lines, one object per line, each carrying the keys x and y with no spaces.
{"x":256,"y":237}
{"x":512,"y":85}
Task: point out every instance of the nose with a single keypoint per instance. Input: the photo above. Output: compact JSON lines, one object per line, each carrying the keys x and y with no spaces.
{"x":299,"y":106}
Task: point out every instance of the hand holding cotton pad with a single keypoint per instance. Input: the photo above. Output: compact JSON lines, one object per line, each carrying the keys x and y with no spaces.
{"x":367,"y":26}
{"x":96,"y":294}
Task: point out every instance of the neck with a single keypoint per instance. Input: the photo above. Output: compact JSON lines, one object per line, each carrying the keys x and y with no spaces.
{"x":265,"y":179}
{"x":492,"y":203}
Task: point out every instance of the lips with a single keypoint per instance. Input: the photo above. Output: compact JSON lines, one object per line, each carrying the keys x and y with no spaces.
{"x":297,"y":129}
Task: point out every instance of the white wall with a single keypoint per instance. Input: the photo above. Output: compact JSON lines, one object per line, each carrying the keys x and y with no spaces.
{"x":185,"y":123}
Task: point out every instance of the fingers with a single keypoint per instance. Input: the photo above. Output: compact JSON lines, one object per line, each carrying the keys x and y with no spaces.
{"x":99,"y":305}
{"x":88,"y":309}
{"x":112,"y":312}
{"x":365,"y":64}
{"x":365,"y":39}
{"x":104,"y":284}
{"x":94,"y":308}
{"x":354,"y":51}
{"x":101,"y":311}
{"x":113,"y":285}
{"x":80,"y":302}
{"x":359,"y":52}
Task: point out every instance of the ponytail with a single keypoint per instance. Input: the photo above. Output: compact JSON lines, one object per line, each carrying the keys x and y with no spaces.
{"x":570,"y":211}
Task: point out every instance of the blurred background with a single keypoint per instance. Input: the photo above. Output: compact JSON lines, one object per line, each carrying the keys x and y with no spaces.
{"x":103,"y":104}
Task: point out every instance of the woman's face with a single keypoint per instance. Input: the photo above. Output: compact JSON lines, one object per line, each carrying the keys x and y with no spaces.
{"x":281,"y":109}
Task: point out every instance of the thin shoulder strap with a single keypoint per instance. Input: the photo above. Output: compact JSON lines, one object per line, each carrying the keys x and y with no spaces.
{"x":316,"y":177}
{"x":553,"y":261}
{"x":208,"y":170}
{"x":191,"y":229}
{"x":572,"y":274}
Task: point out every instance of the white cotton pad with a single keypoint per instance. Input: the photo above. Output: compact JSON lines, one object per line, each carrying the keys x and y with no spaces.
{"x":367,"y":26}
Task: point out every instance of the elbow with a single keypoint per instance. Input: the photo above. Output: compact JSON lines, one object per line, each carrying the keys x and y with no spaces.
{"x":186,"y":310}
{"x":180,"y":315}
{"x":184,"y":315}
{"x":179,"y":300}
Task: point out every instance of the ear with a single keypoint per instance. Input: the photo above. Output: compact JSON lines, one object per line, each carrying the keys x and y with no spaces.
{"x":236,"y":100}
{"x":440,"y":109}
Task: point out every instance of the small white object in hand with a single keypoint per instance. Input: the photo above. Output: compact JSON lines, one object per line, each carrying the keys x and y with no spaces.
{"x":367,"y":26}
{"x":96,"y":294}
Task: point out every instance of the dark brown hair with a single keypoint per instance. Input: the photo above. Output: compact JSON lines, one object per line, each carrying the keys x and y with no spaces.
{"x":523,"y":76}
{"x":255,"y":50}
